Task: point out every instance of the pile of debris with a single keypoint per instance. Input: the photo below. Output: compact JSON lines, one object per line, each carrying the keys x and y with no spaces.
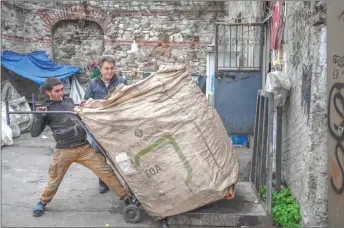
{"x":18,"y":123}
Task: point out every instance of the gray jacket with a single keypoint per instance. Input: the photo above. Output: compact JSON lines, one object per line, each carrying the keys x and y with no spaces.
{"x":67,"y":131}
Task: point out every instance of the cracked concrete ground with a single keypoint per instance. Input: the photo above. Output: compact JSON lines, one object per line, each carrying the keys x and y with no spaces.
{"x":77,"y":202}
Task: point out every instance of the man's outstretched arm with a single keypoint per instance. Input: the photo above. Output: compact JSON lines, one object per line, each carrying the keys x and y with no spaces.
{"x":38,"y":124}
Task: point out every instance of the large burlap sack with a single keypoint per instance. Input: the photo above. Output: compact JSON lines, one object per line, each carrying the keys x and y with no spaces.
{"x":167,"y":142}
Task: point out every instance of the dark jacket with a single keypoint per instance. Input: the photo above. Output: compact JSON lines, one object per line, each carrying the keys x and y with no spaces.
{"x":98,"y":90}
{"x":67,"y":131}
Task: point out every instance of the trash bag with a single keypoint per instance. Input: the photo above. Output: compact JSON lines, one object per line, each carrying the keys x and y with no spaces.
{"x":279,"y":83}
{"x":13,"y":120}
{"x":23,"y":120}
{"x":6,"y":135}
{"x":17,"y":103}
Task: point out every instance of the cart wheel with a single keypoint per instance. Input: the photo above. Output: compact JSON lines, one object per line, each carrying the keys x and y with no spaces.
{"x":131,"y":214}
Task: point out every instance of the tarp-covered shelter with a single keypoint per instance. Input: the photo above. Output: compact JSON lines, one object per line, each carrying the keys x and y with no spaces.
{"x":36,"y":66}
{"x":28,"y":71}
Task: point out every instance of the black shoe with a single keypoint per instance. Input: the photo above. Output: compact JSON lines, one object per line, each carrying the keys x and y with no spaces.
{"x":103,"y":188}
{"x":163,"y":223}
{"x":132,"y":200}
{"x":127,"y":201}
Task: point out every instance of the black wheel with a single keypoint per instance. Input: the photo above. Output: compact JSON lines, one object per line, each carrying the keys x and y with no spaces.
{"x":131,"y":214}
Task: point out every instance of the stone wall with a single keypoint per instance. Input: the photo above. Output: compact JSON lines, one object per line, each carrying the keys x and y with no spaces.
{"x":75,"y":41}
{"x":304,"y":154}
{"x":166,"y":32}
{"x":249,"y":11}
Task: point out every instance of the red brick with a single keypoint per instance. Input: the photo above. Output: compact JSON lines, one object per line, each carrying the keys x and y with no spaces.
{"x":68,"y":15}
{"x":48,"y":21}
{"x":62,"y":15}
{"x":48,"y":28}
{"x":45,"y":17}
{"x":53,"y":17}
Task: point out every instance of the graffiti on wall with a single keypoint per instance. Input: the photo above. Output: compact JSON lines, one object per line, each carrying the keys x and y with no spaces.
{"x":336,"y":126}
{"x":335,"y":115}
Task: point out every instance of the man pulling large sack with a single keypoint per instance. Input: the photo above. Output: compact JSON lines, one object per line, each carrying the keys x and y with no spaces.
{"x":168,"y":143}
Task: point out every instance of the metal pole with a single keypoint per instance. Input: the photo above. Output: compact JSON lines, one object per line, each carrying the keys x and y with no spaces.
{"x":278,"y":148}
{"x":253,"y":173}
{"x":230,"y":46}
{"x":248,"y":47}
{"x":44,"y":112}
{"x":236,"y":46}
{"x":216,"y":49}
{"x":7,"y":113}
{"x":224,"y":46}
{"x":270,"y":110}
{"x":261,"y":50}
{"x":242,"y":47}
{"x":33,"y":102}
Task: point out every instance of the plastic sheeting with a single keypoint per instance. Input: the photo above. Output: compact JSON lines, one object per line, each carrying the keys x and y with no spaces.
{"x":35,"y":66}
{"x":278,"y":82}
{"x":24,"y":120}
{"x":77,"y":93}
{"x":6,"y":135}
{"x":14,"y":126}
{"x":16,"y":103}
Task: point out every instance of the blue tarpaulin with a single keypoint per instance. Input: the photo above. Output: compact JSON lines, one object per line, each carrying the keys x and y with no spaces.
{"x":36,"y":66}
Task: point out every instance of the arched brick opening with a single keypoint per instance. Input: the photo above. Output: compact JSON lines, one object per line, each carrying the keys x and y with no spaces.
{"x":75,"y":12}
{"x":77,"y":42}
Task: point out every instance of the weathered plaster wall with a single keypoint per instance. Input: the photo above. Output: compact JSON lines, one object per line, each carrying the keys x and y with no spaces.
{"x":304,"y":154}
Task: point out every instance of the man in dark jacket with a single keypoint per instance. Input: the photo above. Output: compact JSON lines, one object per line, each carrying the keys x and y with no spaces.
{"x":100,"y":86}
{"x":99,"y":89}
{"x":71,"y":146}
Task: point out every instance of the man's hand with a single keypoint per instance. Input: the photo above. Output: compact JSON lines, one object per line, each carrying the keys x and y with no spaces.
{"x":82,"y":103}
{"x":42,"y":108}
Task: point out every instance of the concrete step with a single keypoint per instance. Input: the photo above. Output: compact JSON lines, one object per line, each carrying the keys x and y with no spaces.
{"x":242,"y":210}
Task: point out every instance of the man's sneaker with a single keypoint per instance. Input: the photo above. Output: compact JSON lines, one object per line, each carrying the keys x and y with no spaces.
{"x":103,"y":188}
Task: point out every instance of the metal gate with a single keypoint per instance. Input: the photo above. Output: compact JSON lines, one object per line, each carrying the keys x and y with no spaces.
{"x":238,"y":70}
{"x":263,"y":150}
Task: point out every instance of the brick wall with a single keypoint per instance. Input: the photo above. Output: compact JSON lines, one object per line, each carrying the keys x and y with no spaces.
{"x":304,"y":155}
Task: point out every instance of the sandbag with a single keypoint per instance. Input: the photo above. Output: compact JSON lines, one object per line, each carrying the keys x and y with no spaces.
{"x":167,"y":142}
